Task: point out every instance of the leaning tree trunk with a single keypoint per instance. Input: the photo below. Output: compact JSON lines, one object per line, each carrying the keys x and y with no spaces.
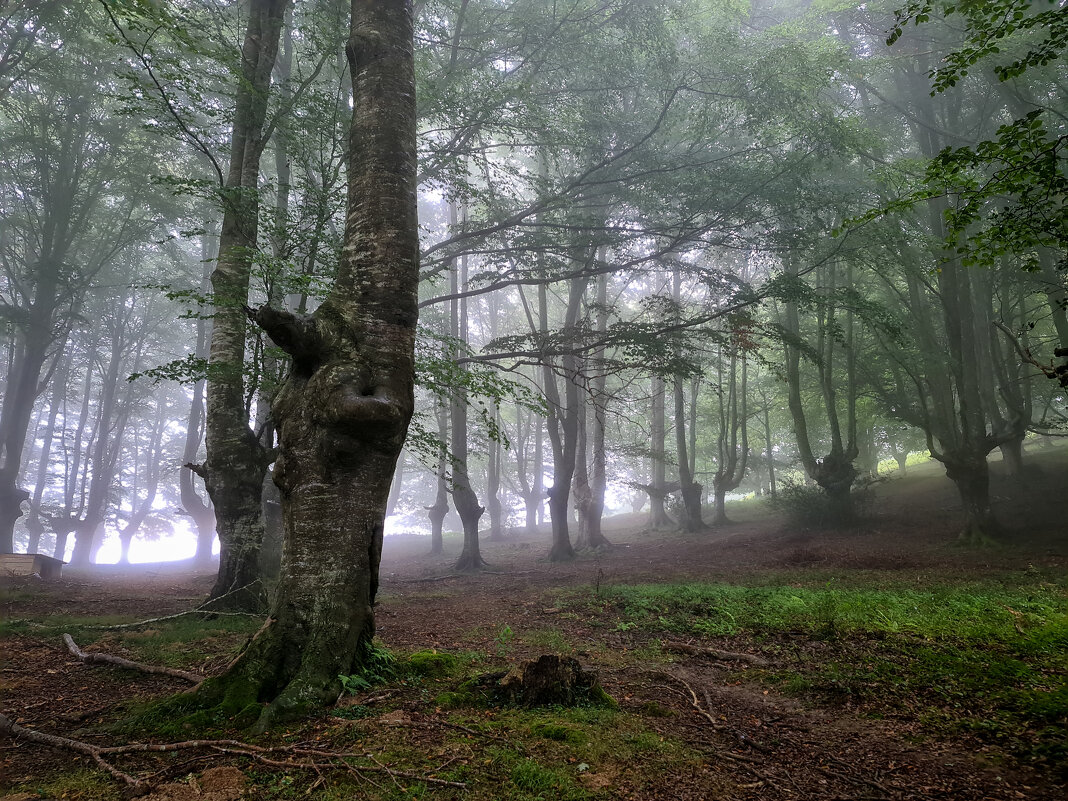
{"x":236,"y":460}
{"x":343,"y":413}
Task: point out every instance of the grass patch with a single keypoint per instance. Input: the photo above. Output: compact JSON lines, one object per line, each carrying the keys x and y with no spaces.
{"x":982,"y":659}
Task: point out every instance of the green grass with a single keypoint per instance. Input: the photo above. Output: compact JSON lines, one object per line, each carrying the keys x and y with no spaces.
{"x":983,"y":659}
{"x":971,"y":612}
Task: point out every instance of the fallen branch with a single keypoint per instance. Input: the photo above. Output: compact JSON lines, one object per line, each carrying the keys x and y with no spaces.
{"x":8,"y":726}
{"x":714,"y":653}
{"x":335,"y":759}
{"x":118,"y":661}
{"x":151,"y":620}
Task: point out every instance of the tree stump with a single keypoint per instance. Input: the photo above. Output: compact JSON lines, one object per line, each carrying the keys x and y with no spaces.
{"x":549,"y":680}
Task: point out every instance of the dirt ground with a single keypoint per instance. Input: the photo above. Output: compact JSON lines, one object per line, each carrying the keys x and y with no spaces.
{"x":754,"y":742}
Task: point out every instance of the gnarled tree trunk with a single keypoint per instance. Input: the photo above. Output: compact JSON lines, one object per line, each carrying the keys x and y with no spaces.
{"x":343,"y":414}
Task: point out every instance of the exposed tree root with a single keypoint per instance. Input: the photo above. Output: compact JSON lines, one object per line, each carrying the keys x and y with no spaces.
{"x":714,"y":653}
{"x":298,"y":758}
{"x":118,"y":661}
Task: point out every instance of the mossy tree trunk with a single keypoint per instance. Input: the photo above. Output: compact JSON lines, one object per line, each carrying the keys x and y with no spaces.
{"x":237,"y":460}
{"x":343,"y":414}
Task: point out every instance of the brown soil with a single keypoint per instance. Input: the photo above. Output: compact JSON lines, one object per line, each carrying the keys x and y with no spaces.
{"x":755,"y":744}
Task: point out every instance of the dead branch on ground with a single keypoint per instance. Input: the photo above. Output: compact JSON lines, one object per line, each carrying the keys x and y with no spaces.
{"x":118,"y":661}
{"x":714,"y":653}
{"x":316,"y":759}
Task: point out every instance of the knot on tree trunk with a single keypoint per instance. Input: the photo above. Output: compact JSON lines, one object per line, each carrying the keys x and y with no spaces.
{"x":550,"y":679}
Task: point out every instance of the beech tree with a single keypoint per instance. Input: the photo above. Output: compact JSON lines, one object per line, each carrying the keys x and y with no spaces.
{"x":344,"y":410}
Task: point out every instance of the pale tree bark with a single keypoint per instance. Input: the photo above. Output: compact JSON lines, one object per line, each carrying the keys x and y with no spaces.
{"x":76,"y":469}
{"x":690,"y":513}
{"x":153,"y":467}
{"x":195,"y":506}
{"x":529,"y":467}
{"x":436,"y":512}
{"x":343,"y":413}
{"x":463,"y":496}
{"x":731,"y":454}
{"x":236,"y":459}
{"x":562,"y":422}
{"x":657,"y":488}
{"x":35,"y":520}
{"x":599,"y":403}
{"x":114,"y":410}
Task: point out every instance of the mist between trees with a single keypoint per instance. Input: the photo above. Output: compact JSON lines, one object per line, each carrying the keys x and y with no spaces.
{"x":668,"y":252}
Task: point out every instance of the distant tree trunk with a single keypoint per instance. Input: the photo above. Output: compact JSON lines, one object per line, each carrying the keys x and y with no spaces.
{"x":834,"y":473}
{"x":236,"y":459}
{"x":768,"y":448}
{"x":463,"y":496}
{"x":596,"y":426}
{"x":529,"y":468}
{"x":731,"y":459}
{"x":35,"y":521}
{"x":440,"y":508}
{"x":111,"y":429}
{"x":581,"y":492}
{"x":493,"y":485}
{"x":200,"y":512}
{"x":343,"y":413}
{"x":658,"y":517}
{"x":65,"y":525}
{"x":563,"y":419}
{"x":690,"y":513}
{"x":152,"y":468}
{"x":395,"y":487}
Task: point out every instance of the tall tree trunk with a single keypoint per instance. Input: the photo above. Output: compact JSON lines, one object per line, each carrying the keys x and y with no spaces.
{"x":595,"y":427}
{"x":236,"y":459}
{"x":153,"y":468}
{"x":493,"y":484}
{"x":440,"y":507}
{"x":199,"y":511}
{"x":731,"y":459}
{"x":343,"y":414}
{"x":35,"y":520}
{"x":658,"y":516}
{"x":463,"y":496}
{"x":690,"y":515}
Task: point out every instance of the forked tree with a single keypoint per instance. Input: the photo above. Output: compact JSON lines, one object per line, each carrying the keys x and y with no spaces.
{"x":343,"y":413}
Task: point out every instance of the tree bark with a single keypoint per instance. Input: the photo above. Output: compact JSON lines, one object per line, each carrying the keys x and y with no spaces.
{"x":198,"y":510}
{"x":344,"y":411}
{"x":463,"y":496}
{"x":658,"y":516}
{"x":436,"y":513}
{"x":236,"y":460}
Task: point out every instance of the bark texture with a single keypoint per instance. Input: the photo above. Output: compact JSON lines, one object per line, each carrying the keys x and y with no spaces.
{"x":236,"y":460}
{"x":343,"y":414}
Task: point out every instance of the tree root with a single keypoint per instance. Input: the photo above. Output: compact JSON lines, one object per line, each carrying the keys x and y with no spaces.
{"x":714,"y":653}
{"x":118,"y":661}
{"x":305,"y":758}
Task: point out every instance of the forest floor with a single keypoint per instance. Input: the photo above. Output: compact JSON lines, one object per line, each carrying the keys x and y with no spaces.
{"x":882,"y":661}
